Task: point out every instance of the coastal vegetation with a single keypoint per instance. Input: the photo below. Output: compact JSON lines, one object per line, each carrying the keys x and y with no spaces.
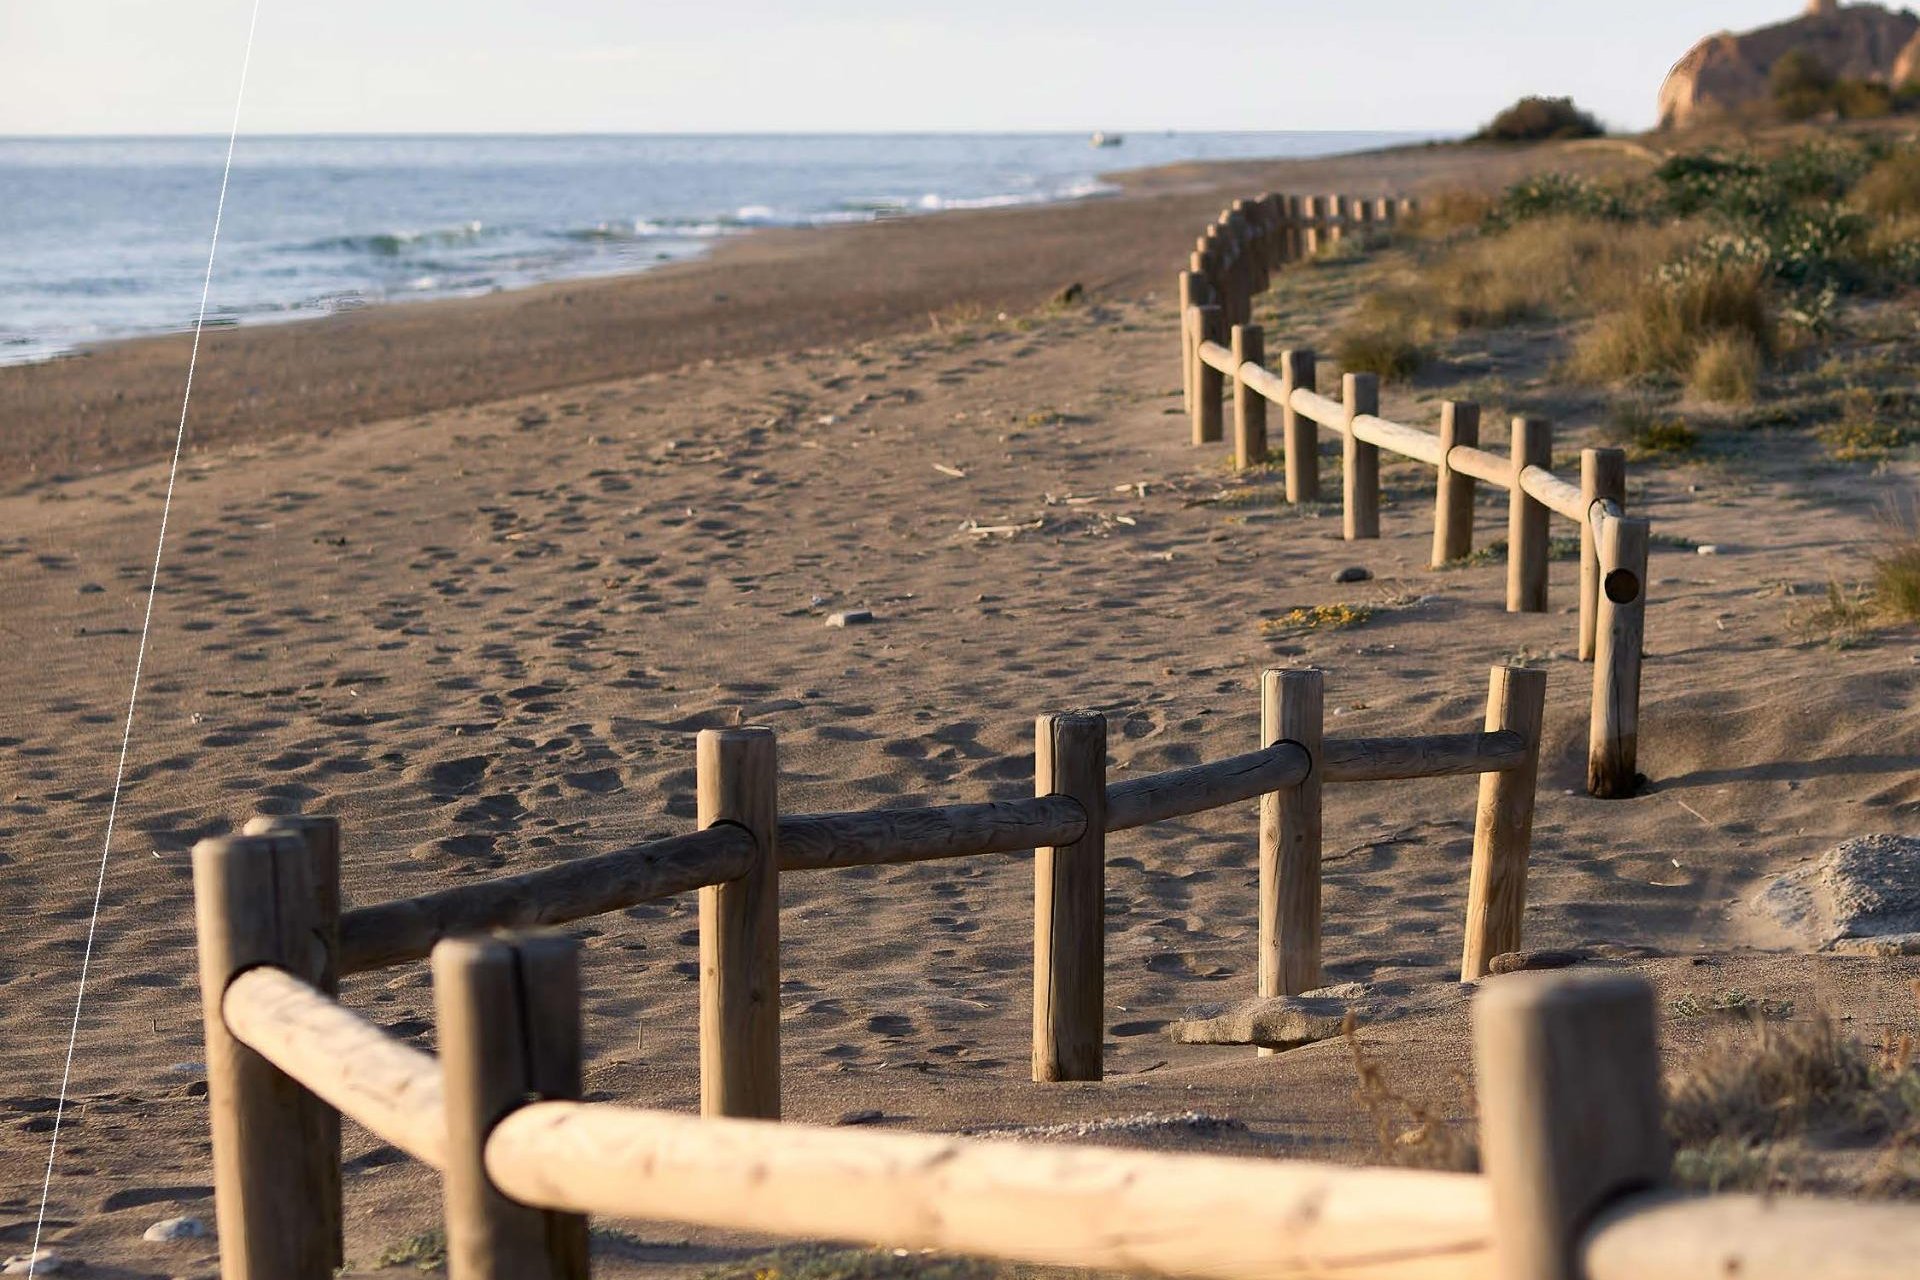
{"x":1537,"y":119}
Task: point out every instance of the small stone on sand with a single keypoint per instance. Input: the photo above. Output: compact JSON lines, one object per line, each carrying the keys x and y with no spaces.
{"x":1354,"y":573}
{"x":41,"y":1262}
{"x":176,"y":1229}
{"x":850,"y":618}
{"x":866,"y":1116}
{"x":1708,"y":549}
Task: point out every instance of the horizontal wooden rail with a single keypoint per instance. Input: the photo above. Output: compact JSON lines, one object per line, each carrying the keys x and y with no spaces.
{"x":1438,"y":756}
{"x":390,"y":933}
{"x":1318,"y":408}
{"x":392,"y":1089}
{"x":1408,"y":441}
{"x":1219,"y":357}
{"x":1207,"y":1216}
{"x":1264,"y":383}
{"x":1481,"y":465}
{"x":1556,"y":494}
{"x":1178,"y":793}
{"x":1662,"y":1236}
{"x":824,"y":840}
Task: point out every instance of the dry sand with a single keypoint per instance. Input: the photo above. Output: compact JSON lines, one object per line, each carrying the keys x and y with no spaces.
{"x":484,"y":636}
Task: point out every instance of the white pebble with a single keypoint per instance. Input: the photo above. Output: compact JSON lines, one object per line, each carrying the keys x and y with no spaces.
{"x":849,"y":618}
{"x":176,"y":1229}
{"x":1707,"y":549}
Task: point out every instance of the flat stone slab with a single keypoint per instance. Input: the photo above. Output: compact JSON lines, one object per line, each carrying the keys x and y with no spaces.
{"x":1861,"y":896}
{"x":1288,"y":1022}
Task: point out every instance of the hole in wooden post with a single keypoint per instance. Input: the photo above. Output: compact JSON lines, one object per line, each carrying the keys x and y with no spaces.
{"x":1622,"y":586}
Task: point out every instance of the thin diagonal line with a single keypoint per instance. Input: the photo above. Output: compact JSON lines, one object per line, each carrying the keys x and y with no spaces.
{"x":140,"y":657}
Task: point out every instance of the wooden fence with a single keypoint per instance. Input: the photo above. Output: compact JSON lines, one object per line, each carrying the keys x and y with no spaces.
{"x":274,"y":941}
{"x":1231,"y":265}
{"x":1574,"y":1153}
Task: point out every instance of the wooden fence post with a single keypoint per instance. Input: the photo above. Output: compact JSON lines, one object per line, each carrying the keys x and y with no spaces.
{"x":1193,"y":291}
{"x":1291,"y":212}
{"x":1336,"y":211}
{"x":1613,"y":732}
{"x":508,"y":1015}
{"x":1300,"y":435}
{"x":275,"y":1174}
{"x":1527,"y":520}
{"x":1292,"y":709}
{"x":1312,"y":234}
{"x":1360,"y":474}
{"x":1209,"y":385}
{"x":1249,"y":406}
{"x":1453,"y":498}
{"x":1069,"y":904}
{"x":1503,"y":824}
{"x":737,"y":780}
{"x":1567,"y":1073}
{"x":321,"y":836}
{"x":1603,"y":478}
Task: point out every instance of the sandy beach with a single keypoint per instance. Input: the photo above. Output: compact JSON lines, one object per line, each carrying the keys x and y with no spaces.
{"x":471,"y":575}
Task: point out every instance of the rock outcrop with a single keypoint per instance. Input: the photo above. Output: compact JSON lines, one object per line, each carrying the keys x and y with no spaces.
{"x":1727,"y":73}
{"x":1862,"y":895}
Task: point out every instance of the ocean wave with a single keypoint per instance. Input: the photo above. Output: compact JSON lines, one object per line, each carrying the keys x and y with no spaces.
{"x":394,"y":243}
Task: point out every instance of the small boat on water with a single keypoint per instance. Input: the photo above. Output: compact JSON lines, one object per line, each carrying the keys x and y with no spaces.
{"x":1106,"y":140}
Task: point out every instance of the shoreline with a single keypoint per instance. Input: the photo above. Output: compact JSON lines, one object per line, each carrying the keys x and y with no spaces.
{"x":776,"y":290}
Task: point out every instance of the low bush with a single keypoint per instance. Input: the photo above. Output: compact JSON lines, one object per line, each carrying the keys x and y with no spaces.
{"x":1537,"y":119}
{"x":1668,"y":322}
{"x":1891,"y":187}
{"x":1896,"y":567}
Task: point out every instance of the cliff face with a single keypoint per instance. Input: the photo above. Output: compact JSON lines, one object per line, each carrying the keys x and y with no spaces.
{"x":1728,"y":72}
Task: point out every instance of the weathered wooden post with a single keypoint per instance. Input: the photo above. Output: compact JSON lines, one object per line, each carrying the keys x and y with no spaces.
{"x":1292,"y":709}
{"x":1360,"y":473}
{"x":1192,"y":292}
{"x":1069,"y":904}
{"x":275,"y":1169}
{"x":1209,"y":383}
{"x":1567,"y":1074}
{"x":1275,"y":212}
{"x":1336,"y":212}
{"x":1527,"y":520}
{"x":737,"y":781}
{"x":508,"y":1015}
{"x":1503,"y":824}
{"x":321,"y":836}
{"x":1312,"y":230}
{"x":1603,"y":478}
{"x":1299,"y":434}
{"x":1613,"y":732}
{"x":1249,"y":406}
{"x":1453,"y":498}
{"x":1293,"y":212}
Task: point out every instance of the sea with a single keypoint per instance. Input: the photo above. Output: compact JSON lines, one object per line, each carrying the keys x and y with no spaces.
{"x":104,"y":238}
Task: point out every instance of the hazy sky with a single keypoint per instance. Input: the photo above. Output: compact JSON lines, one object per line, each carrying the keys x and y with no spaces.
{"x":170,"y":66}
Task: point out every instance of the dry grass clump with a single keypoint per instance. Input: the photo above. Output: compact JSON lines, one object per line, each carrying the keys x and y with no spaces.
{"x":1380,"y":349}
{"x":1892,"y":187}
{"x":1773,"y":1081}
{"x":1668,"y":322}
{"x":1896,"y":567}
{"x":1537,"y":269}
{"x":1754,"y":1112}
{"x":1841,"y":618}
{"x":1448,"y":214}
{"x":1726,"y":369}
{"x":1646,"y":434}
{"x":1860,"y":439}
{"x":1406,"y":1131}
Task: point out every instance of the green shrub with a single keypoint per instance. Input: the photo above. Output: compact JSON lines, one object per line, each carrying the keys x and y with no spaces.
{"x":1536,"y":119}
